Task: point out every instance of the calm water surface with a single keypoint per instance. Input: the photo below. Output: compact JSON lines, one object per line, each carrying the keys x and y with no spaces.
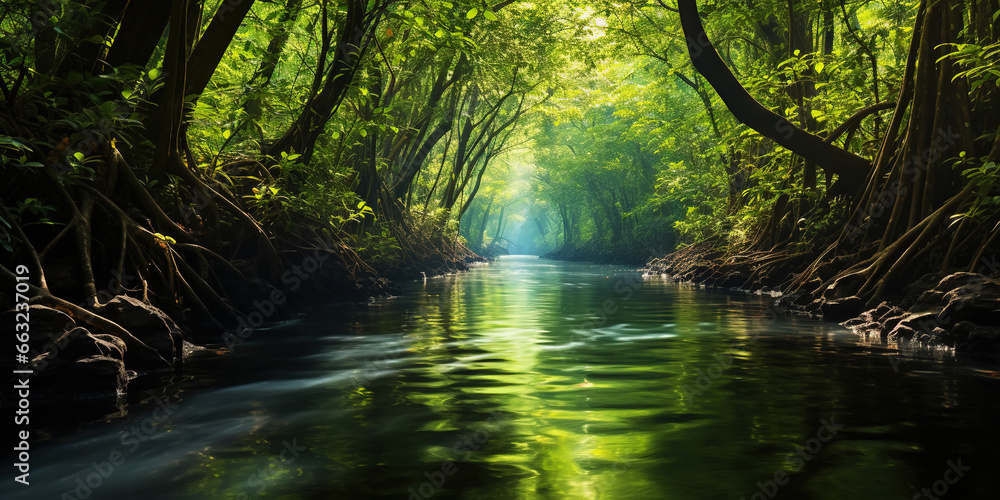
{"x":534,"y":379}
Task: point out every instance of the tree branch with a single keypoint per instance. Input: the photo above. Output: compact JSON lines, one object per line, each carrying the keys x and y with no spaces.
{"x":852,"y":169}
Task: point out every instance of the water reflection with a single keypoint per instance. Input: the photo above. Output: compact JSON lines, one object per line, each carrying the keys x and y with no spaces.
{"x":534,"y":379}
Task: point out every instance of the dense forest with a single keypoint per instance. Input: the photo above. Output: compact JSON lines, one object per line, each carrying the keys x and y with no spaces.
{"x":186,"y":170}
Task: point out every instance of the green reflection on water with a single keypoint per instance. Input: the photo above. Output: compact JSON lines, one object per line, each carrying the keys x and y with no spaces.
{"x":669,"y":392}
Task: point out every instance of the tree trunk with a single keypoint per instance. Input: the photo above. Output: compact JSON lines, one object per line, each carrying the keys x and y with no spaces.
{"x":851,"y":169}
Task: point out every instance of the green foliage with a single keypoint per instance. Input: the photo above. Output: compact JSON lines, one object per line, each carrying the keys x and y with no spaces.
{"x":616,"y":142}
{"x":380,"y":248}
{"x":981,"y":63}
{"x":986,"y":204}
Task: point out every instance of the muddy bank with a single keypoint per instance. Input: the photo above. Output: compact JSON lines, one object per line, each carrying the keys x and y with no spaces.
{"x":956,"y":309}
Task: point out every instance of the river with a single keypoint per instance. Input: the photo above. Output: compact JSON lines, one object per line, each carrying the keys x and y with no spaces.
{"x":536,"y":379}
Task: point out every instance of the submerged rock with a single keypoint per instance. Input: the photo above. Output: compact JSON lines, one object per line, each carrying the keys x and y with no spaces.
{"x":841,"y":309}
{"x":975,"y":337}
{"x":959,"y":309}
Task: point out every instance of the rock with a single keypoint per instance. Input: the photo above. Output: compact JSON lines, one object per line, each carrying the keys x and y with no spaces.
{"x":956,"y":280}
{"x":885,"y":311}
{"x":977,"y":302}
{"x":929,"y":298}
{"x":973,"y":337}
{"x":76,"y":344}
{"x":148,"y":324}
{"x":75,"y":365}
{"x":115,"y":346}
{"x":941,"y":335}
{"x":104,"y":374}
{"x":79,"y":343}
{"x":914,"y":290}
{"x":842,"y":309}
{"x":916,"y":326}
{"x":921,"y":322}
{"x":845,"y":286}
{"x":47,"y":324}
{"x":902,"y":332}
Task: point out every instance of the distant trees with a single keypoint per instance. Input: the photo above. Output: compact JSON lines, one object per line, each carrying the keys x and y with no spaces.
{"x":179,"y":140}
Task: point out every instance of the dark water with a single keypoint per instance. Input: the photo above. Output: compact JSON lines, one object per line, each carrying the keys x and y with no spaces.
{"x":532,"y":379}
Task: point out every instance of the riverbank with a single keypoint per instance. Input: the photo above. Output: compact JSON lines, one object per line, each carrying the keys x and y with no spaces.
{"x":952,"y":308}
{"x":601,"y":252}
{"x":375,"y":397}
{"x":93,"y":357}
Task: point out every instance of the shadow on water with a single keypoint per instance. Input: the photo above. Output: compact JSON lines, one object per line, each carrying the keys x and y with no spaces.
{"x":538,"y":379}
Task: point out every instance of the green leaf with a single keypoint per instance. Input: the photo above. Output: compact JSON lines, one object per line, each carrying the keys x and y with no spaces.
{"x":440,"y":33}
{"x":488,"y":14}
{"x":472,"y":13}
{"x":819,"y":67}
{"x":78,"y":155}
{"x":154,"y":73}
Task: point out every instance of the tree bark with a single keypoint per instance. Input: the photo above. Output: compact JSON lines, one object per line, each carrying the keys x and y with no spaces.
{"x":852,"y":169}
{"x":207,"y":54}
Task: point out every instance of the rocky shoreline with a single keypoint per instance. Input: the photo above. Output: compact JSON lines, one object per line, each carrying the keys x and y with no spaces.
{"x":75,"y":362}
{"x":959,"y":310}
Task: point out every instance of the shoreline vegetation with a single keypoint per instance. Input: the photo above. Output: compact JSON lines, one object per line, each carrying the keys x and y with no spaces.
{"x":954,"y":308}
{"x":910,"y":251}
{"x":179,"y":173}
